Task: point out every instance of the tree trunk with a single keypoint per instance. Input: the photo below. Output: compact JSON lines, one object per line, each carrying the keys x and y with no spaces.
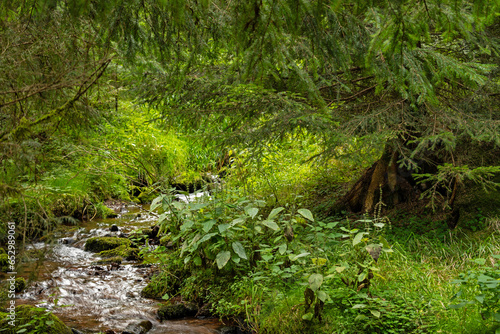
{"x":385,"y":179}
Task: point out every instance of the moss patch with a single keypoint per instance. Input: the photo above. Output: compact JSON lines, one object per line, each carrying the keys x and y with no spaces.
{"x":39,"y":320}
{"x":114,"y":259}
{"x":99,"y":244}
{"x":128,"y":253}
{"x":159,"y":286}
{"x":20,"y":284}
{"x":4,"y":261}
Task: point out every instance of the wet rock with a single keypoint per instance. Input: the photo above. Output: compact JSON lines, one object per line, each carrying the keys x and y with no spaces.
{"x":128,"y":253}
{"x":229,"y":330}
{"x":99,"y":244}
{"x":20,"y":284}
{"x":114,"y":228}
{"x":176,"y":311}
{"x":37,"y":318}
{"x":67,"y":241}
{"x":138,"y":327}
{"x":204,"y":311}
{"x":76,"y":331}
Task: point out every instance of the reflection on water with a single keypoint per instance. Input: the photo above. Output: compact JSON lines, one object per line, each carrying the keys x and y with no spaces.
{"x":101,"y":297}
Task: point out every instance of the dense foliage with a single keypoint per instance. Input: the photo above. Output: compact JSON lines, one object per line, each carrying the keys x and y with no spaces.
{"x":310,"y":112}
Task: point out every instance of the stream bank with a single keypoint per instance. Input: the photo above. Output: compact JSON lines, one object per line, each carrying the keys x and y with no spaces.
{"x":91,"y":297}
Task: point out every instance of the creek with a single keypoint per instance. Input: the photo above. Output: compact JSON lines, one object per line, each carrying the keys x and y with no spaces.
{"x":93,"y":298}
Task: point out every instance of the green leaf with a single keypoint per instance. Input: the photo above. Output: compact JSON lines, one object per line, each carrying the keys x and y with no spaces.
{"x":49,"y":323}
{"x":271,"y":224}
{"x":315,"y":281}
{"x":239,"y":249}
{"x":479,"y":261}
{"x":207,"y":226}
{"x":165,"y":296}
{"x":480,"y":298}
{"x":223,"y":227}
{"x":322,"y":296}
{"x":496,"y":316}
{"x":22,"y":330}
{"x":306,"y":214}
{"x":206,"y":237}
{"x":340,"y":269}
{"x":375,"y":313}
{"x":359,"y":306}
{"x":357,"y":239}
{"x":252,"y":212}
{"x":156,"y":203}
{"x":457,"y":306}
{"x":236,"y":221}
{"x":308,"y":316}
{"x":282,"y":249}
{"x":222,"y":258}
{"x":293,"y":257}
{"x":275,"y":212}
{"x":197,"y":261}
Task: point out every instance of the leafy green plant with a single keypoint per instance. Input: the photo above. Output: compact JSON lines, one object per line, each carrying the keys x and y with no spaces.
{"x":480,"y":288}
{"x":227,"y":227}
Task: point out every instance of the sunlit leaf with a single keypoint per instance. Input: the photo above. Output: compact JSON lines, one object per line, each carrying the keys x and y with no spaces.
{"x":306,"y":214}
{"x":282,"y":248}
{"x":252,"y":212}
{"x":322,"y":296}
{"x":207,"y":226}
{"x":275,"y":212}
{"x":293,"y":257}
{"x":271,"y":224}
{"x":222,"y":258}
{"x":315,"y":281}
{"x":239,"y":249}
{"x":357,"y":239}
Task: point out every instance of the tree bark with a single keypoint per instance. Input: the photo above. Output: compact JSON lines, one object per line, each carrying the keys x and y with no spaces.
{"x":384,"y":178}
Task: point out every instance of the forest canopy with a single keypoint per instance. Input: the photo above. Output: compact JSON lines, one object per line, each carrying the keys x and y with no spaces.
{"x":416,"y":80}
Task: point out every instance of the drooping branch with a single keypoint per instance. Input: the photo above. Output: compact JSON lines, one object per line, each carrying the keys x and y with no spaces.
{"x":24,"y":125}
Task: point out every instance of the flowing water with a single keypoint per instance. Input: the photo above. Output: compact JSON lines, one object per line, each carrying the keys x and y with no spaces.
{"x":95,"y":298}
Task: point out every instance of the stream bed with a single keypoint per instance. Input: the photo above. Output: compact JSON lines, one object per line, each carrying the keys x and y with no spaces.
{"x":98,"y":298}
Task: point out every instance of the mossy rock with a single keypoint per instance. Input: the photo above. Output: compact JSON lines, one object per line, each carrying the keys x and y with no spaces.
{"x":160,"y":285}
{"x":4,"y":262}
{"x":176,"y":311}
{"x":165,"y":240}
{"x":99,"y":244}
{"x":20,"y":284}
{"x":114,"y":259}
{"x":128,"y":253}
{"x":42,"y":321}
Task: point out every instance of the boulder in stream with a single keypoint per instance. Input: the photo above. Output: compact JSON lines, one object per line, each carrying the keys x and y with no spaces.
{"x":99,"y":244}
{"x":40,"y":320}
{"x":176,"y":311}
{"x":138,"y":327}
{"x":124,"y":251}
